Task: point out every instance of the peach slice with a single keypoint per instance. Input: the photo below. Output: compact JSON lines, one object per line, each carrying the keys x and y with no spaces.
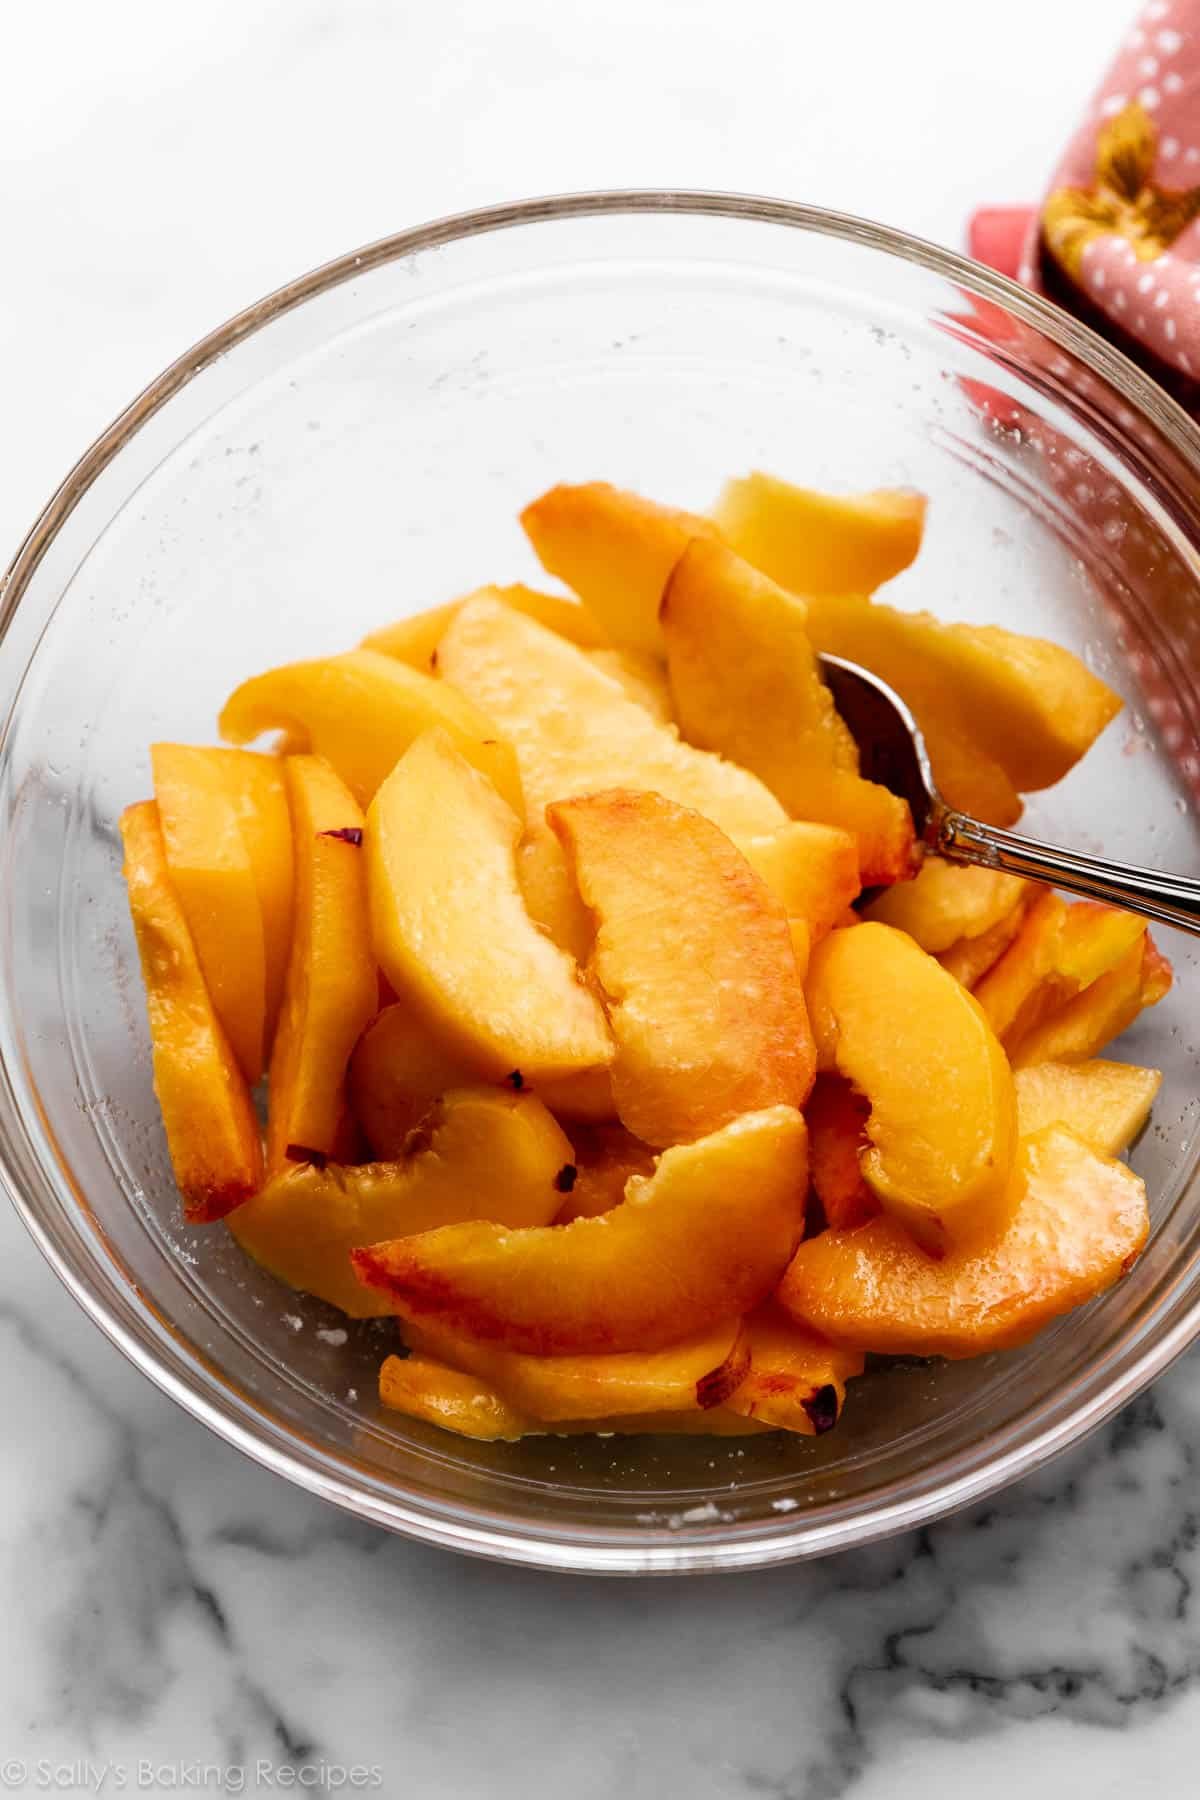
{"x":703,"y":998}
{"x":606,"y":1156}
{"x":259,"y":793}
{"x":969,"y":959}
{"x":550,"y":895}
{"x":400,"y":1067}
{"x":1015,"y":978}
{"x":1157,"y":974}
{"x":330,"y":991}
{"x":575,"y":732}
{"x":746,"y":683}
{"x":641,"y":678}
{"x":812,"y":870}
{"x":705,"y":1237}
{"x":946,"y":902}
{"x":207,"y":1113}
{"x":1079,"y":1223}
{"x":967,"y":780}
{"x":480,"y":1154}
{"x":415,"y":640}
{"x":615,"y":550}
{"x":1104,"y":1103}
{"x":800,"y":932}
{"x":837,"y":1141}
{"x":698,"y":1373}
{"x":821,"y":543}
{"x":796,"y":1381}
{"x":450,"y":929}
{"x":426,"y":1389}
{"x":1028,"y":705}
{"x":1061,"y":951}
{"x":943,"y":1114}
{"x":213,"y":875}
{"x":361,"y":711}
{"x":1100,"y":1012}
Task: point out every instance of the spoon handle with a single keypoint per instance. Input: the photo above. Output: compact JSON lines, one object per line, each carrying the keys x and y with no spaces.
{"x":1170,"y":899}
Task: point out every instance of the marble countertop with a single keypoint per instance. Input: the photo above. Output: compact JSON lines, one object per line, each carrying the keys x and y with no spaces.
{"x":177,"y":1619}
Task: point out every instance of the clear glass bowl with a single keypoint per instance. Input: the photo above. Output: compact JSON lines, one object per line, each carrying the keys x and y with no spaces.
{"x":356,"y":447}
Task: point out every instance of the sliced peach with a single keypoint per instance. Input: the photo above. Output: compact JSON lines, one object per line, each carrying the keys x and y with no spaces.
{"x":1157,"y":974}
{"x":480,"y":1154}
{"x":967,"y":780}
{"x":400,"y":1067}
{"x":745,"y":682}
{"x":943,"y":1114}
{"x":700,"y":1372}
{"x":1094,"y":940}
{"x":450,"y":929}
{"x":213,"y":876}
{"x":361,"y":711}
{"x":615,"y":550}
{"x":812,"y":870}
{"x":796,"y":1380}
{"x":1104,"y":1103}
{"x":1010,"y":985}
{"x":575,"y":732}
{"x":946,"y":902}
{"x":426,"y":1389}
{"x":1064,"y":950}
{"x":706,"y":1236}
{"x":821,"y":543}
{"x":550,"y":895}
{"x":1079,"y":1223}
{"x":801,"y":934}
{"x":398,"y":1070}
{"x":415,"y":639}
{"x":331,"y":989}
{"x":970,"y":958}
{"x":207,"y":1113}
{"x":704,"y":1001}
{"x":837,"y":1141}
{"x":640,"y":677}
{"x":606,"y":1156}
{"x":1081,"y":1027}
{"x":1028,"y":705}
{"x":260,"y":798}
{"x":757,"y":632}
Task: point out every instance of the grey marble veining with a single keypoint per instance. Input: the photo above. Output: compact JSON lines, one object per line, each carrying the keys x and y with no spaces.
{"x":163,"y":1600}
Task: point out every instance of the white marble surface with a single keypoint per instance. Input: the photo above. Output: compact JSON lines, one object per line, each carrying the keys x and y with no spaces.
{"x":164,"y":1600}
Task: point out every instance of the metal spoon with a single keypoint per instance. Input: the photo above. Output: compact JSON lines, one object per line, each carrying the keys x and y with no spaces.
{"x":893,"y":753}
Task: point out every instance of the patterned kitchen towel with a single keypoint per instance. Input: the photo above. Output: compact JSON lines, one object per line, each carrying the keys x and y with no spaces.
{"x":1117,"y":238}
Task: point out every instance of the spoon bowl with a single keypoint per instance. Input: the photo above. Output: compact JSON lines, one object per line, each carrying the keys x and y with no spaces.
{"x":893,"y":752}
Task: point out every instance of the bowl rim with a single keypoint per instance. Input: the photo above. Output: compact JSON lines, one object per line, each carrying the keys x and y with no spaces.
{"x":475,"y":1531}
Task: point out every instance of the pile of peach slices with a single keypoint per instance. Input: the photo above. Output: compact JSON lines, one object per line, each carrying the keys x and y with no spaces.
{"x":620,"y":1044}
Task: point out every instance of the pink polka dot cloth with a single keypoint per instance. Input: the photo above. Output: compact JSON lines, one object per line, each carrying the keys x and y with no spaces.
{"x":1117,"y":238}
{"x":1116,"y":241}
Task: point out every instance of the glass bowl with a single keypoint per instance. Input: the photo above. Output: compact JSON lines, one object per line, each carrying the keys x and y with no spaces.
{"x":357,"y":447}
